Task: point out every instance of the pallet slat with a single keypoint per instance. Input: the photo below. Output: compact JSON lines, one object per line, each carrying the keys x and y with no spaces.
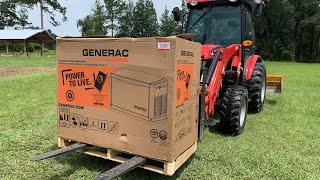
{"x":169,"y":168}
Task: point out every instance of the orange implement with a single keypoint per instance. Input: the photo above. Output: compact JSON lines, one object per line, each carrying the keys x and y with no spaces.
{"x":274,"y":83}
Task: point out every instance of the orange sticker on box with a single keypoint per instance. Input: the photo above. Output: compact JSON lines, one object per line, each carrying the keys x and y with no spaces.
{"x":84,"y":85}
{"x":185,"y":76}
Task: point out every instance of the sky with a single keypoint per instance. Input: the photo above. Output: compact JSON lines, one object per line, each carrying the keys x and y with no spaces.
{"x":78,"y":9}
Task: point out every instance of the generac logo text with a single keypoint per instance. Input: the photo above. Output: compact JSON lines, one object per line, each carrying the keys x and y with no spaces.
{"x":187,"y":53}
{"x":106,"y":52}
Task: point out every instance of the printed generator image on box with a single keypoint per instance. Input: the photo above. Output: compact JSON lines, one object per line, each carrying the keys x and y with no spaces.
{"x":147,"y":96}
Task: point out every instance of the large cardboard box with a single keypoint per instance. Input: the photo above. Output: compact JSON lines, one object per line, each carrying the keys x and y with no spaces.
{"x":132,"y":95}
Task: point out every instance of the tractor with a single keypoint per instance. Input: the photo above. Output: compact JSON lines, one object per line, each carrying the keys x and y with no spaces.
{"x":233,"y":76}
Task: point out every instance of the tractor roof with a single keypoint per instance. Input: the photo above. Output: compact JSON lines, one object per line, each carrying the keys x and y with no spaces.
{"x":207,"y":1}
{"x":189,"y":1}
{"x":217,"y":1}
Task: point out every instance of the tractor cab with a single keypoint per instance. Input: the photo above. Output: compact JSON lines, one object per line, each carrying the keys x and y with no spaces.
{"x":219,"y":25}
{"x":222,"y":22}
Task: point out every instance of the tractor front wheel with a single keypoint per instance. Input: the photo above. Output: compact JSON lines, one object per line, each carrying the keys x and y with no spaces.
{"x":232,"y":110}
{"x":256,"y":86}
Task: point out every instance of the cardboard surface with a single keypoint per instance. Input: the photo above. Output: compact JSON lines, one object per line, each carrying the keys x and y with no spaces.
{"x":133,"y":95}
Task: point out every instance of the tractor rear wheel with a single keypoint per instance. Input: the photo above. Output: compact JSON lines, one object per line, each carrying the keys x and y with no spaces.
{"x":256,"y":86}
{"x":232,"y":109}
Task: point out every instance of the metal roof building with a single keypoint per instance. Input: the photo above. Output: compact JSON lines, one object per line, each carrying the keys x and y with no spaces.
{"x":24,"y":36}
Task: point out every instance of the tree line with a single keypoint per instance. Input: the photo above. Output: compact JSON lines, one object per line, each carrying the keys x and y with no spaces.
{"x":290,"y":30}
{"x":287,"y":29}
{"x":119,"y":18}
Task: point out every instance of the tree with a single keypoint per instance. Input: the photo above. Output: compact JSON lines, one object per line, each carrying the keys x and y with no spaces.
{"x":114,"y":10}
{"x":93,"y":24}
{"x":86,"y":25}
{"x":51,"y":7}
{"x":23,"y":22}
{"x":126,"y":21}
{"x":10,"y":16}
{"x":151,"y":19}
{"x":168,"y":26}
{"x":182,"y":23}
{"x":145,"y":19}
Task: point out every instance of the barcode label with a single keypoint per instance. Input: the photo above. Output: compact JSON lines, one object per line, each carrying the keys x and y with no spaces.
{"x":164,"y":45}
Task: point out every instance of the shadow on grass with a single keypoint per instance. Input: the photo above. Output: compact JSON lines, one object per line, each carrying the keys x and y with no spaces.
{"x":271,"y":102}
{"x":216,"y":129}
{"x":139,"y":173}
{"x":76,"y":161}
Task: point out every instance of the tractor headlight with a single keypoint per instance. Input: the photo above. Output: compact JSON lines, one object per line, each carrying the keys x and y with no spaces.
{"x":258,"y":1}
{"x":233,"y":1}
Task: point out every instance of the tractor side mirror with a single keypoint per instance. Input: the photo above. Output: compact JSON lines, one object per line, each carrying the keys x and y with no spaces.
{"x":176,"y":14}
{"x":258,"y":11}
{"x":256,"y":6}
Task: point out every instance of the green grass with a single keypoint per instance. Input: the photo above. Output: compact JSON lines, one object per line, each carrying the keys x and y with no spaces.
{"x":23,"y":61}
{"x":283,"y":142}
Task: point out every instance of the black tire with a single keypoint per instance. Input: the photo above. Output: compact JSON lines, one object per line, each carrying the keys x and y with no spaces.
{"x":232,"y":111}
{"x":256,"y":86}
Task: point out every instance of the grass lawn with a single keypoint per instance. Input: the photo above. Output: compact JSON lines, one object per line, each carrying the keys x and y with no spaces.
{"x":23,"y":61}
{"x":283,"y":142}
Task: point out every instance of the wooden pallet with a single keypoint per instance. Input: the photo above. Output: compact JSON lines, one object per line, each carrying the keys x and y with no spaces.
{"x":166,"y":168}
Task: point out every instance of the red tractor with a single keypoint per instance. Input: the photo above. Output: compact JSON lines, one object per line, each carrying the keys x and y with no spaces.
{"x":233,"y":77}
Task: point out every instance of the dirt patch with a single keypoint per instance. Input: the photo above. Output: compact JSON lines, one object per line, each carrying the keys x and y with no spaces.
{"x":6,"y":71}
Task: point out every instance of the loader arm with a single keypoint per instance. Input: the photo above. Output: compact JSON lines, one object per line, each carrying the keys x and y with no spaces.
{"x":216,"y":78}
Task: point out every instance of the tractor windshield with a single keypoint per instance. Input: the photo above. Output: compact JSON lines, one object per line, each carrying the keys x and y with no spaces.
{"x":219,"y":25}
